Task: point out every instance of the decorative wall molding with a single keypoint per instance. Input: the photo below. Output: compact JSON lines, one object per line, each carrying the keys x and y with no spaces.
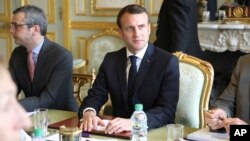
{"x":51,"y":36}
{"x":221,"y":38}
{"x":6,"y":44}
{"x":81,"y":47}
{"x":80,"y":7}
{"x":110,"y":7}
{"x":92,"y":25}
{"x":47,"y":5}
{"x":5,"y":10}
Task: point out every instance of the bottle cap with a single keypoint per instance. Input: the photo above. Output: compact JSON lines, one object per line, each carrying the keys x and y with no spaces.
{"x":38,"y":132}
{"x":138,"y":107}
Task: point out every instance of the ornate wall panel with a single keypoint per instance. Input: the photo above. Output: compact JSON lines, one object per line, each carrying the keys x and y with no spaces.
{"x":80,"y":7}
{"x":110,"y":7}
{"x":47,"y":5}
{"x":51,"y":36}
{"x":5,"y":10}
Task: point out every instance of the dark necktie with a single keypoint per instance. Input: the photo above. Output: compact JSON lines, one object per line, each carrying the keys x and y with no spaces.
{"x":131,"y":78}
{"x":31,"y":65}
{"x":132,"y":72}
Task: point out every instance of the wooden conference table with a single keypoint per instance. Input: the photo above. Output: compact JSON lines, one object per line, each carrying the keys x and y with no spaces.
{"x":158,"y":134}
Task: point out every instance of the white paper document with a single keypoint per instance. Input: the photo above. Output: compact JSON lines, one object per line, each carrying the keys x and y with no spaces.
{"x":94,"y":139}
{"x":205,"y":135}
{"x":102,"y":128}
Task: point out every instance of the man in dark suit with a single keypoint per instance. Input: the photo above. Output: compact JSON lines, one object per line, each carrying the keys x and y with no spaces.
{"x":177,"y":27}
{"x":156,"y":85}
{"x":47,"y":79}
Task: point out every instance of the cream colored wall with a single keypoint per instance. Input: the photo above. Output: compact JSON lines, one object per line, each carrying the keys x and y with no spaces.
{"x":73,"y":22}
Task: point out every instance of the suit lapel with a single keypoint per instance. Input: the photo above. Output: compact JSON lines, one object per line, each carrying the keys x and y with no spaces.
{"x":145,"y":66}
{"x":122,"y":65}
{"x":41,"y":61}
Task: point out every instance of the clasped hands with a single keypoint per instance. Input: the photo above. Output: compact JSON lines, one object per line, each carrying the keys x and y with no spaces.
{"x":217,"y":118}
{"x":90,"y":121}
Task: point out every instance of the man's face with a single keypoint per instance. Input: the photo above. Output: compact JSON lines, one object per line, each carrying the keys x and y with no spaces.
{"x":135,"y":31}
{"x":20,"y":31}
{"x":12,"y":115}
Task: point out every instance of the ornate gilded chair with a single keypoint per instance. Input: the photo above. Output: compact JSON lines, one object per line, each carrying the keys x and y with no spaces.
{"x":80,"y":82}
{"x":196,"y":79}
{"x":99,"y":44}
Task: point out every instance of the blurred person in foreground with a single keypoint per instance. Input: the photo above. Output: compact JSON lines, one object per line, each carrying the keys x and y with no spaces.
{"x":12,"y":115}
{"x":156,"y":84}
{"x":232,"y":107}
{"x":42,"y":69}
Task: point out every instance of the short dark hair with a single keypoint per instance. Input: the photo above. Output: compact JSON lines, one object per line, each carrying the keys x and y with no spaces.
{"x":131,"y":9}
{"x":34,"y":16}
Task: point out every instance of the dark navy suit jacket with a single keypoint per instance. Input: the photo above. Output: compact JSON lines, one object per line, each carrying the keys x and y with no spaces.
{"x":52,"y":85}
{"x":156,"y":86}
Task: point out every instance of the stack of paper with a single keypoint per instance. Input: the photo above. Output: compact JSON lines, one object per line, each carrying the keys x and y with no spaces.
{"x":205,"y":135}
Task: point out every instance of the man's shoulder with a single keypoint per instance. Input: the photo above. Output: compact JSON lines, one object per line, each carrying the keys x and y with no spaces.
{"x":163,"y":53}
{"x":243,"y":61}
{"x":245,"y":57}
{"x":53,"y":46}
{"x":19,"y":49}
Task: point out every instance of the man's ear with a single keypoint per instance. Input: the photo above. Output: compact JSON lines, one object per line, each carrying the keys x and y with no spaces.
{"x":36,"y":29}
{"x":120,"y":33}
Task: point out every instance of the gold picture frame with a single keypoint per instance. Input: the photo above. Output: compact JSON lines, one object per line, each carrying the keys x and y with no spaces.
{"x":110,"y":7}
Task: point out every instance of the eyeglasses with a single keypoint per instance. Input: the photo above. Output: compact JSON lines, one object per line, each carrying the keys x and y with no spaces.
{"x":15,"y":25}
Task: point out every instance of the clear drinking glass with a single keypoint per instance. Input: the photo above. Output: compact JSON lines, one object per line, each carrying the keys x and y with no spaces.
{"x":41,"y":120}
{"x":174,"y":132}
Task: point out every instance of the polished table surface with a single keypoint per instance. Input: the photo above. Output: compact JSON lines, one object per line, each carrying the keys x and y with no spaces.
{"x":158,"y":134}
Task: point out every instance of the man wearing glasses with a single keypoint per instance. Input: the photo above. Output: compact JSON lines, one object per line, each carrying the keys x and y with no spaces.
{"x":41,"y":68}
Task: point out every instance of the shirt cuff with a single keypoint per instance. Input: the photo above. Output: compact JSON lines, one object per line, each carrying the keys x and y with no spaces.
{"x":89,"y":108}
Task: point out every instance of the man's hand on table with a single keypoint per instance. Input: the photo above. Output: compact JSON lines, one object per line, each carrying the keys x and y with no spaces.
{"x":118,"y":125}
{"x":91,"y":121}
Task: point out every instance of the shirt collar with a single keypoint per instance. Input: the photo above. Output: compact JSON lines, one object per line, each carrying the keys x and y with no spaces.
{"x":37,"y":49}
{"x":139,"y":54}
